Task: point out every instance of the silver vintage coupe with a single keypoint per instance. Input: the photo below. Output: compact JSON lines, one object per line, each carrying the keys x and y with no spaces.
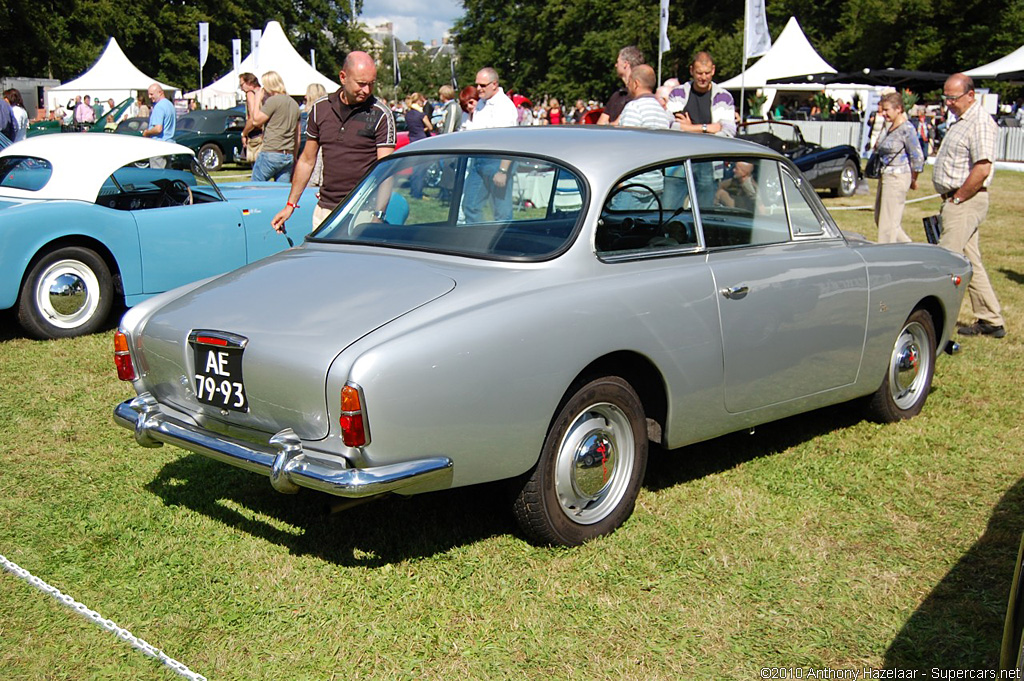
{"x":560,"y":298}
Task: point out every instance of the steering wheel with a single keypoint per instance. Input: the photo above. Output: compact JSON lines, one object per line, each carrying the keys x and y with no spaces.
{"x":174,"y":193}
{"x":634,"y":186}
{"x":184,"y":190}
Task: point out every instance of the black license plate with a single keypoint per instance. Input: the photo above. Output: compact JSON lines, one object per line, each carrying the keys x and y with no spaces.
{"x":218,"y":370}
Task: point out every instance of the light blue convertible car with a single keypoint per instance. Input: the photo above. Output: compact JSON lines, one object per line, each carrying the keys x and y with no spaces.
{"x":87,"y":220}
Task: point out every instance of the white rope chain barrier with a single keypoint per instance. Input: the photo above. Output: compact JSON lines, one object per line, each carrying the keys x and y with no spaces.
{"x":96,"y":618}
{"x":872,"y":206}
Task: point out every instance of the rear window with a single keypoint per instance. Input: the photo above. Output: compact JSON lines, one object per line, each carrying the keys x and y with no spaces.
{"x":24,"y":172}
{"x":489,"y":206}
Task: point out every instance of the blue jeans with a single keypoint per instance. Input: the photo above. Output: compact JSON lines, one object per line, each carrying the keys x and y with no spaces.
{"x":480,"y":189}
{"x":272,"y":166}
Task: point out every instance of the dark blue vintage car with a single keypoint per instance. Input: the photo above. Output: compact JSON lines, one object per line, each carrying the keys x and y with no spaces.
{"x":834,"y":168}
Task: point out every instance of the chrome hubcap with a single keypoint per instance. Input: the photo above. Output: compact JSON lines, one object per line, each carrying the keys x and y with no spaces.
{"x":849,"y":179}
{"x":908,"y":370}
{"x":594,"y":464}
{"x":67,"y":294}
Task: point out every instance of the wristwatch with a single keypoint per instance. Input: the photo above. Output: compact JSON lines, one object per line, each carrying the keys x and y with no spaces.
{"x":379,"y":214}
{"x":957,"y":201}
{"x":704,"y":127}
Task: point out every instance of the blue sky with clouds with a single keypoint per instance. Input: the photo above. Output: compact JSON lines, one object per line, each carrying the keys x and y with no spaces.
{"x":424,"y":20}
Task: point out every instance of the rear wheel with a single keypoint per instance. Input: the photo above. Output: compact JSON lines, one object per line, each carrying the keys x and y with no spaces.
{"x":68,"y":292}
{"x":847,"y":179}
{"x":590,"y":469}
{"x":211,"y":157}
{"x":909,"y":375}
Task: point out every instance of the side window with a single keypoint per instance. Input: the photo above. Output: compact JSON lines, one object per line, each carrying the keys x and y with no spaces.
{"x":647,"y":212}
{"x":802,"y":216}
{"x":24,"y":172}
{"x":740,"y":202}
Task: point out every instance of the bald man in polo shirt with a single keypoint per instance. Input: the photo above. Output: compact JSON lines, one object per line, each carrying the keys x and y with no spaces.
{"x":354,"y":130}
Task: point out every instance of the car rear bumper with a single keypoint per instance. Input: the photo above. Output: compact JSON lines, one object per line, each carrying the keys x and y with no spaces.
{"x":283,"y":458}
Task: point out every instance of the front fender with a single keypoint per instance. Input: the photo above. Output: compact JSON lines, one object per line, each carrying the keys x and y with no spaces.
{"x":30,"y":228}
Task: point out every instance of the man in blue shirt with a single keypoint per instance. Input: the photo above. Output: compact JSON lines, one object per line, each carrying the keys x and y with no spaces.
{"x":162,"y":120}
{"x":162,"y":117}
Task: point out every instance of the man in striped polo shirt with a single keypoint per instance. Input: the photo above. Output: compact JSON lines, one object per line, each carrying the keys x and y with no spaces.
{"x":642,"y":111}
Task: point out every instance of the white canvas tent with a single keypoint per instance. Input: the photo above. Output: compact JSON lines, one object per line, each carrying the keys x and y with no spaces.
{"x":113,"y":76}
{"x":1012,"y":63}
{"x":275,"y":54}
{"x":791,"y":55}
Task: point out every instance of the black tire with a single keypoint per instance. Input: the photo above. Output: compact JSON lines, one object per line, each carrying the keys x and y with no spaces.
{"x":848,"y":177}
{"x":590,"y":469}
{"x":68,"y":292}
{"x":908,"y":377}
{"x":211,"y":157}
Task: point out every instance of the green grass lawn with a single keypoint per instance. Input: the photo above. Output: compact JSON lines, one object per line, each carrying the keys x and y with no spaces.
{"x":823,"y":541}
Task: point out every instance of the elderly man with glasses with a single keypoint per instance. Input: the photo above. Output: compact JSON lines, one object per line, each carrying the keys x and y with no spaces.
{"x":963,"y":172}
{"x":489,"y":179}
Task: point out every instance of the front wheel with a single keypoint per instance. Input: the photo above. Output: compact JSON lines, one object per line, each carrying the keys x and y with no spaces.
{"x":908,"y":377}
{"x":68,"y":292}
{"x":211,"y":157}
{"x":590,"y":469}
{"x":847,"y":179}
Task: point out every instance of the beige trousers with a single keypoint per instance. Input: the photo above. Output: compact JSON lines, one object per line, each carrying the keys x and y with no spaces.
{"x":889,"y":203}
{"x":319,"y":215}
{"x":960,"y":225}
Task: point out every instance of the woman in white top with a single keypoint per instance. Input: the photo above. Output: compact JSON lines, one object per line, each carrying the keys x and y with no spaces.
{"x":13,"y":98}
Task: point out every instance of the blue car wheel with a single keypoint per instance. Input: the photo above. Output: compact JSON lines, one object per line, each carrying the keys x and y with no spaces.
{"x":68,"y":292}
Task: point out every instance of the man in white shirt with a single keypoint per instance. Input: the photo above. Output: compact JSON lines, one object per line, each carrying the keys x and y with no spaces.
{"x":489,"y":179}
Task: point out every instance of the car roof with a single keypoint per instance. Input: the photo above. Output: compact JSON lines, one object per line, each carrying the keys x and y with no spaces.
{"x":81,"y":162}
{"x":618,"y":150}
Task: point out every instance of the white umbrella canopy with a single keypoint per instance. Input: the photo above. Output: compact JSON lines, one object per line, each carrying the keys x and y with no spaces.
{"x":275,"y":54}
{"x":113,"y":76}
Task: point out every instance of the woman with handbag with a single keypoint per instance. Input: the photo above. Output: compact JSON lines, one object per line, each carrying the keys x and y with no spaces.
{"x":902,"y":161}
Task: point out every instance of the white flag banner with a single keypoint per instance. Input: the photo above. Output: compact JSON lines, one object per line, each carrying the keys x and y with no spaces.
{"x":236,"y":54}
{"x":204,"y":42}
{"x":394,"y":62}
{"x":757,"y":39}
{"x":664,"y":45}
{"x":254,"y":39}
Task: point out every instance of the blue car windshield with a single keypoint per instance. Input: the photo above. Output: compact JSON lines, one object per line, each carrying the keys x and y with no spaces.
{"x":489,"y":206}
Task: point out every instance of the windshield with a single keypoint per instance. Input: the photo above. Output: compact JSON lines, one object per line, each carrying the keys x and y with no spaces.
{"x":499,"y":207}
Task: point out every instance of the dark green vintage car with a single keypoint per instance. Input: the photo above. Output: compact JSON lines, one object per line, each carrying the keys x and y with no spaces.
{"x":214,"y":134}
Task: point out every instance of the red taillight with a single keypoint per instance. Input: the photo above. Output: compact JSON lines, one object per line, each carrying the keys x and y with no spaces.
{"x":123,"y":358}
{"x":956,"y":279}
{"x":353,"y":426}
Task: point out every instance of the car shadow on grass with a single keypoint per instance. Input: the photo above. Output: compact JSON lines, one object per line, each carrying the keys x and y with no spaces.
{"x":959,"y":625}
{"x":395,"y":528}
{"x":667,"y":468}
{"x":386,"y":530}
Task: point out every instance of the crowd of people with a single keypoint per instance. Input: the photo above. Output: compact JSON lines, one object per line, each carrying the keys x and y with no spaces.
{"x":349,"y":130}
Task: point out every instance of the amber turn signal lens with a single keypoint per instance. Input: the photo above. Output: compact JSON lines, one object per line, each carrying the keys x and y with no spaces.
{"x":350,"y":399}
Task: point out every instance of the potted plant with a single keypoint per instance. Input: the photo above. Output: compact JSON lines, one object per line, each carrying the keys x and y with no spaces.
{"x":755,"y":105}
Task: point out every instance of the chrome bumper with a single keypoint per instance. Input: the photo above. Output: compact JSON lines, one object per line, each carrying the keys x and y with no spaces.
{"x":283,"y":460}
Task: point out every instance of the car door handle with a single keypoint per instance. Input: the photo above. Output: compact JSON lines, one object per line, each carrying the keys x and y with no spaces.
{"x":735,"y":292}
